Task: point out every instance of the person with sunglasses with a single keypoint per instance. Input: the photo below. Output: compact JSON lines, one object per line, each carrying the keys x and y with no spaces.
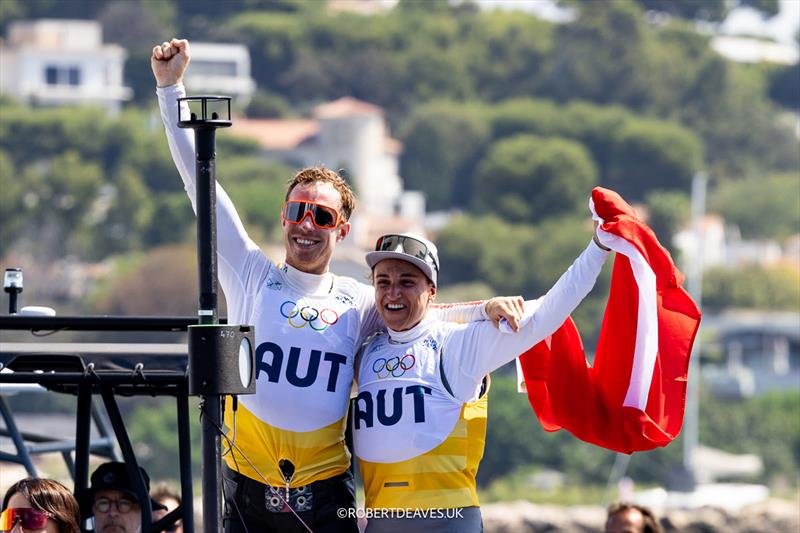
{"x":419,"y":420}
{"x":39,"y":505}
{"x":111,"y":499}
{"x":289,"y":468}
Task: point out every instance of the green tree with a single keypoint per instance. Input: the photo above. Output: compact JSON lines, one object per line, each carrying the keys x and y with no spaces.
{"x":163,"y":282}
{"x":762,"y":207}
{"x":599,"y":56}
{"x":432,"y":71}
{"x":597,"y":128}
{"x":520,"y":259}
{"x":14,"y":211}
{"x":485,"y":249}
{"x":526,"y":115}
{"x":650,"y":155}
{"x":120,"y":218}
{"x":727,"y":108}
{"x":529,"y":178}
{"x":267,"y":105}
{"x":274,"y":40}
{"x":442,"y":144}
{"x":507,"y":53}
{"x":172,"y":220}
{"x":711,"y":10}
{"x":752,"y":287}
{"x":768,"y":425}
{"x":64,"y":191}
{"x":152,"y":424}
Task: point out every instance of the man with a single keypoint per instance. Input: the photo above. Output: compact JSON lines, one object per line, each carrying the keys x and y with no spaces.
{"x":112,"y":499}
{"x":630,"y":518}
{"x":288,"y":469}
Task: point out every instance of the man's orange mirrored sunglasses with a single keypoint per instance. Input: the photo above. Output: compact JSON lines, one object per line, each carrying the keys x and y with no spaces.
{"x":323,"y":217}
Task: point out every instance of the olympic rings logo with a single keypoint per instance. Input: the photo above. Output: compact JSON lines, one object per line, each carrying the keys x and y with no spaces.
{"x":316,"y":319}
{"x":395,"y":366}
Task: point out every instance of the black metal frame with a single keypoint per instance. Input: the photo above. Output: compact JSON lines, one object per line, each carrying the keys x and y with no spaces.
{"x":212,"y":405}
{"x":29,"y":444}
{"x":105,"y":383}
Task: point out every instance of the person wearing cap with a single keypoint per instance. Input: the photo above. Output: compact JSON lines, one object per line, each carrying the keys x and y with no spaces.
{"x":112,"y":499}
{"x":419,"y":420}
{"x":309,"y":324}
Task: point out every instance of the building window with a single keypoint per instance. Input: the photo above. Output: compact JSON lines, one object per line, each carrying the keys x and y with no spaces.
{"x":214,"y":68}
{"x":51,"y":75}
{"x":62,"y":75}
{"x":74,"y":76}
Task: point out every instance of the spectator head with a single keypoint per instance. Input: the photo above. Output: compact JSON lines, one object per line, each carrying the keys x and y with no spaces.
{"x":40,"y":505}
{"x":112,"y":499}
{"x":630,"y":518}
{"x":171,"y":500}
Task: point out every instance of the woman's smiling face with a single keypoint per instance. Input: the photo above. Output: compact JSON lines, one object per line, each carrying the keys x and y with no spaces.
{"x":402,"y":293}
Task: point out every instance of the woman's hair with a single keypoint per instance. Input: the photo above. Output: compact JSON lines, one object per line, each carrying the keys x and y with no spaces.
{"x":162,"y":492}
{"x":50,"y":496}
{"x":651,"y":524}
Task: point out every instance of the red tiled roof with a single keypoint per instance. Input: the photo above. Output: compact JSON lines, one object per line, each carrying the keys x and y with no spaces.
{"x":276,"y":134}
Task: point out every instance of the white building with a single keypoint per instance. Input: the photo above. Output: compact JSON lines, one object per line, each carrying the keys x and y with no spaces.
{"x":218,"y":68}
{"x":62,"y":62}
{"x":351,"y":136}
{"x":752,"y":50}
{"x":724,"y":246}
{"x":760,"y":352}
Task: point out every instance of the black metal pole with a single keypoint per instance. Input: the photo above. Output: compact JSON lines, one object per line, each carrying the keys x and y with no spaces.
{"x":211,"y":419}
{"x":184,"y":447}
{"x":83,"y":435}
{"x":205,"y":126}
{"x":206,"y":225}
{"x":12,"y":303}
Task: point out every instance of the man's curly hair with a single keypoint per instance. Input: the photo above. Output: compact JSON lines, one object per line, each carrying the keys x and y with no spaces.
{"x":321,"y":174}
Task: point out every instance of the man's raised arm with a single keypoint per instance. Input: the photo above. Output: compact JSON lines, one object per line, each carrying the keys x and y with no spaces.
{"x":240,"y":256}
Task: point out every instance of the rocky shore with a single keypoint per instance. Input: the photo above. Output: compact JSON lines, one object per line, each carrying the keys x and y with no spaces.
{"x":772,"y":516}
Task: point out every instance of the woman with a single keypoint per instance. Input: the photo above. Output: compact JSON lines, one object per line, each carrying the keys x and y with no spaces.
{"x":39,"y":505}
{"x":419,"y":420}
{"x":170,"y":500}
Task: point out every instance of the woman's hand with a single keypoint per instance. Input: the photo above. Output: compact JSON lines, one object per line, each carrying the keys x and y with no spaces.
{"x":509,"y":307}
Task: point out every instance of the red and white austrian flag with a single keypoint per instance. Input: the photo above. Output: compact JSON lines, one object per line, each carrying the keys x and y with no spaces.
{"x":632,"y":398}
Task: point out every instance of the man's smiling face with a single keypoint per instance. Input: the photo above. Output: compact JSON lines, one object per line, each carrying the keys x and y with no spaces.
{"x":309,"y":248}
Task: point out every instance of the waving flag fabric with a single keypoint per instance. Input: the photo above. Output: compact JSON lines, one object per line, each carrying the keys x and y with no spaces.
{"x":632,"y":398}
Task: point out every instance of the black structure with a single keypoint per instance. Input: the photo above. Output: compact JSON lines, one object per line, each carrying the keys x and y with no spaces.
{"x":105,"y":370}
{"x":219,"y":360}
{"x":205,"y":121}
{"x":12,"y":284}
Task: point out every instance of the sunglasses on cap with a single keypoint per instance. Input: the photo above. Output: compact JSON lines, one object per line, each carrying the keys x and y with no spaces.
{"x":407,"y":245}
{"x":323,"y":217}
{"x":28,"y":517}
